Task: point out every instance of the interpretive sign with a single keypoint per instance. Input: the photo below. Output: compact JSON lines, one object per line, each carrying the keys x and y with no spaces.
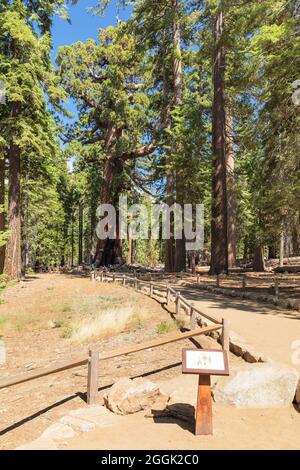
{"x":204,"y":362}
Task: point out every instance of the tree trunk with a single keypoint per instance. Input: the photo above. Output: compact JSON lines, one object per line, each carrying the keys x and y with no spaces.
{"x":2,"y":213}
{"x":80,"y":234}
{"x":170,"y":189}
{"x":110,"y":251}
{"x":180,"y":245}
{"x":246,"y":248}
{"x":272,"y":252}
{"x":281,"y":250}
{"x":24,"y":233}
{"x":295,"y":240}
{"x":258,"y":260}
{"x":193,"y":262}
{"x":72,"y":242}
{"x":231,"y":190}
{"x":219,"y":245}
{"x":13,"y":248}
{"x":130,"y":250}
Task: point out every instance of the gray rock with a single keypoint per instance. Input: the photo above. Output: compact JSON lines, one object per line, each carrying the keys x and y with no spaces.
{"x":99,"y":415}
{"x":252,"y":356}
{"x":58,"y":431}
{"x":77,"y":424}
{"x":268,"y":385}
{"x":131,"y":396}
{"x":238,"y":345}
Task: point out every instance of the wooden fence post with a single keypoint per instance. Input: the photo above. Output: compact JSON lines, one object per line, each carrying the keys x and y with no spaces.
{"x":124,"y":280}
{"x":151,"y":289}
{"x":178,"y":303}
{"x":244,"y":282}
{"x":136,"y":284}
{"x":218,"y":280}
{"x":225,"y":335}
{"x":102,"y":276}
{"x":193,"y":322}
{"x":92,"y":385}
{"x":168,"y":296}
{"x":276,"y":287}
{"x":93,"y":277}
{"x":198,"y":279}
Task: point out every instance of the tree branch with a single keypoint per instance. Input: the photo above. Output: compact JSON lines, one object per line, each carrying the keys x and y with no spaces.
{"x":140,"y":152}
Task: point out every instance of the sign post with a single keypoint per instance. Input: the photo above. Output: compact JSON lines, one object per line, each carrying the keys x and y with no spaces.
{"x":204,"y":362}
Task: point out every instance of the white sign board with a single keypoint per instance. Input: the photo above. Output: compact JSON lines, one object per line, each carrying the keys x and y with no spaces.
{"x":203,"y":361}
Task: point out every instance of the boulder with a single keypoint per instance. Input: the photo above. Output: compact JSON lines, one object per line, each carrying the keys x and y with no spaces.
{"x":239,"y":347}
{"x":268,"y":385}
{"x":131,"y":396}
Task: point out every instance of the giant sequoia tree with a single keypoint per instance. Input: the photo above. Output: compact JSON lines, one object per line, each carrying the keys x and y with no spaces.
{"x":107,"y":80}
{"x":155,"y":115}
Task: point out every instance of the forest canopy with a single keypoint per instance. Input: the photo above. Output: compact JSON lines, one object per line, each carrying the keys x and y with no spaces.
{"x":186,"y":102}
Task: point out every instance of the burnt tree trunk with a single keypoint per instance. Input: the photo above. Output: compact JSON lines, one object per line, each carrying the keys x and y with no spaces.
{"x":219,"y":244}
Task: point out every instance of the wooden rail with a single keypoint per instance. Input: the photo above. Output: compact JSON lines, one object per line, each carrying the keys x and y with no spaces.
{"x":168,"y":293}
{"x":22,"y":378}
{"x":95,"y":357}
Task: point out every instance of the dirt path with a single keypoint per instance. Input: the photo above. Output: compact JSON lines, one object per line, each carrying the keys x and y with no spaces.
{"x":27,"y":410}
{"x":32,"y":342}
{"x":233,"y":428}
{"x":271,"y":331}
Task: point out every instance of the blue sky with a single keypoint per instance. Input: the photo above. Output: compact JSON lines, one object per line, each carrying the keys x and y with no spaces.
{"x":84,"y":25}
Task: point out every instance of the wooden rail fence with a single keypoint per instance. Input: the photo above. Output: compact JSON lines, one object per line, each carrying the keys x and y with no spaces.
{"x":94,"y":359}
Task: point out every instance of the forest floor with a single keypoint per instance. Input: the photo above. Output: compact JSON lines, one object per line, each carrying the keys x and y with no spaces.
{"x":259,"y":283}
{"x":52,"y":317}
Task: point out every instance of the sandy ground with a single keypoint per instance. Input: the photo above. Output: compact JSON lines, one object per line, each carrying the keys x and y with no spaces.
{"x":271,"y":330}
{"x":28,"y":409}
{"x":260,"y":283}
{"x":233,"y":428}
